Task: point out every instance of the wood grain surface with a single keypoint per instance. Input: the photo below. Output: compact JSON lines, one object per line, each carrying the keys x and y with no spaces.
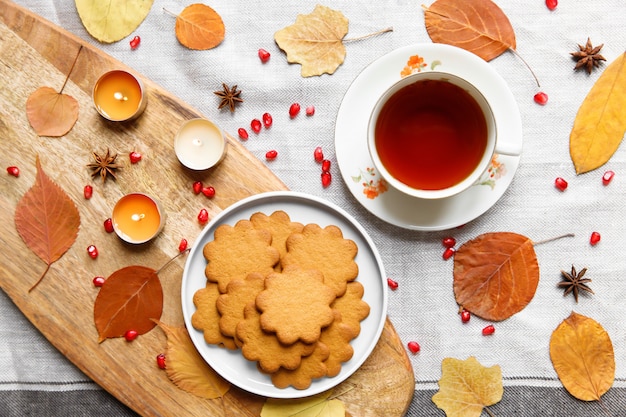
{"x":36,"y":53}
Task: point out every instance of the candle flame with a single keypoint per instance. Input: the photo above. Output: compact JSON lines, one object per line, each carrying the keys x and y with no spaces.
{"x":136,"y":217}
{"x":119,"y":96}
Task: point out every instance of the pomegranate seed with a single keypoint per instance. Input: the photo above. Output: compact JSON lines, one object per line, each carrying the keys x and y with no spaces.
{"x":414,"y":347}
{"x":197,"y":187}
{"x":243,"y":133}
{"x":88,"y":191}
{"x":392,"y":284}
{"x":310,"y":110}
{"x":489,"y":330}
{"x":160,"y":360}
{"x":203,"y":216}
{"x":108,"y":225}
{"x":92,"y":251}
{"x":541,"y":98}
{"x":130,"y":335}
{"x":98,"y":281}
{"x":208,"y":192}
{"x":182,"y":246}
{"x":607,"y":177}
{"x":255,"y":124}
{"x":551,"y":4}
{"x":325,"y":165}
{"x":271,"y":155}
{"x":448,"y":253}
{"x":318,"y":154}
{"x":294,"y":109}
{"x":465,"y":316}
{"x":13,"y":170}
{"x":560,"y":183}
{"x":134,"y":43}
{"x":267,"y":120}
{"x":264,"y":55}
{"x":594,"y":239}
{"x":326,"y":179}
{"x":448,"y":242}
{"x":134,"y":157}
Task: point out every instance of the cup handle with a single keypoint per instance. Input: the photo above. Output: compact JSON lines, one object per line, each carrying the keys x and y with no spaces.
{"x":508,"y":148}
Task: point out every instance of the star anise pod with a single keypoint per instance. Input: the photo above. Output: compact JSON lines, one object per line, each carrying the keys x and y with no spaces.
{"x":229,"y":97}
{"x":574,"y":282}
{"x":104,"y":165}
{"x":588,"y":56}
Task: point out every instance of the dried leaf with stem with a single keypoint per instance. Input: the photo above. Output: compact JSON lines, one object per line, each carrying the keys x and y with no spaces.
{"x":199,"y":27}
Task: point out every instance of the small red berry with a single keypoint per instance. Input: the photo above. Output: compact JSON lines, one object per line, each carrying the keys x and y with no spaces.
{"x":208,"y":192}
{"x":182,"y":246}
{"x":326,"y":179}
{"x":267,"y":120}
{"x":318,"y":154}
{"x":243,"y":133}
{"x":541,"y":98}
{"x":98,"y":281}
{"x":88,"y":191}
{"x":92,"y":251}
{"x":489,"y":330}
{"x":264,"y":55}
{"x":197,"y":187}
{"x":392,"y":284}
{"x":607,"y":177}
{"x":448,"y":242}
{"x":134,"y":157}
{"x":325,"y":165}
{"x":160,"y":360}
{"x":271,"y":155}
{"x":130,"y":335}
{"x":551,"y":4}
{"x":13,"y":170}
{"x":448,"y":253}
{"x":255,"y":124}
{"x":108,"y":225}
{"x":414,"y":347}
{"x":203,"y":216}
{"x":134,"y":43}
{"x":560,"y":183}
{"x":594,"y":239}
{"x":294,"y":109}
{"x":310,"y":110}
{"x":465,"y":316}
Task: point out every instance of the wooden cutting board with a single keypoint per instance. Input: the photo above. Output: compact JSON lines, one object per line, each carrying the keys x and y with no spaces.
{"x":36,"y":53}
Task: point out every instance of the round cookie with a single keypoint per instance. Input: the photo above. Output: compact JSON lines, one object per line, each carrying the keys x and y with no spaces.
{"x":352,"y":307}
{"x":281,"y":227}
{"x":312,"y":367}
{"x":206,"y":317}
{"x":337,"y":337}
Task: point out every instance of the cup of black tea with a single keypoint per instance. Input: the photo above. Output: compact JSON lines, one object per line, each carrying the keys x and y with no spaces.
{"x":433,"y":134}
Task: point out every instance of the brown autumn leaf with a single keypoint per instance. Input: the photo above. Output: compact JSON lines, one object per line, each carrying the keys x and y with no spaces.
{"x":315,"y":41}
{"x":478,"y":26}
{"x":582,"y":355}
{"x":495,"y":275}
{"x":467,"y":387}
{"x":47,"y":220}
{"x":600,"y":124}
{"x":199,"y":27}
{"x":130,"y":299}
{"x":51,"y":113}
{"x":186,"y":368}
{"x":320,"y":405}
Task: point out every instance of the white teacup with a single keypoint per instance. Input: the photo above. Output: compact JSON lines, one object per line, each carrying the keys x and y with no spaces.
{"x":433,"y":134}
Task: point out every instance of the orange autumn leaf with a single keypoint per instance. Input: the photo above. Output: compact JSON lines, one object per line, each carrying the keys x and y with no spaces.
{"x":186,"y":368}
{"x":47,"y":219}
{"x":130,"y":299}
{"x":467,"y":387}
{"x":495,"y":275}
{"x":51,"y":113}
{"x":199,"y":27}
{"x":582,"y":355}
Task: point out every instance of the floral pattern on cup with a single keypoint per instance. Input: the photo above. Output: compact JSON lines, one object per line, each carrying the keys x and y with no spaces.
{"x":373,"y":184}
{"x":416,"y":63}
{"x":495,"y":171}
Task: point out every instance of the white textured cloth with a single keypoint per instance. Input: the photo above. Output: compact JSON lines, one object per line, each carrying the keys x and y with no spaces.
{"x":422,"y":308}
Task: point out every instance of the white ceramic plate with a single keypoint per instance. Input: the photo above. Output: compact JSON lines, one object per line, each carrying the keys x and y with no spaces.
{"x":356,"y":165}
{"x":305,"y":209}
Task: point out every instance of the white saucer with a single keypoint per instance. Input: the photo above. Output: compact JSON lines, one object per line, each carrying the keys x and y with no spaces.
{"x":357,"y":168}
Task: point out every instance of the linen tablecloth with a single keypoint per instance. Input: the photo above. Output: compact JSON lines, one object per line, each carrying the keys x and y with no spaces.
{"x":36,"y":380}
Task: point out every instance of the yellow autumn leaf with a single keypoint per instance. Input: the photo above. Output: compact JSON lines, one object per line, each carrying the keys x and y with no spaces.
{"x":600,"y":124}
{"x":111,"y":20}
{"x":315,"y":41}
{"x":315,"y":406}
{"x":582,"y":355}
{"x":186,"y":368}
{"x":466,"y":387}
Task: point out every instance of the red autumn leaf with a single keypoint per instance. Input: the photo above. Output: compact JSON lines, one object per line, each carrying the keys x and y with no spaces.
{"x":199,"y":27}
{"x":496,"y":275}
{"x":51,"y":113}
{"x":47,"y":220}
{"x":130,"y":299}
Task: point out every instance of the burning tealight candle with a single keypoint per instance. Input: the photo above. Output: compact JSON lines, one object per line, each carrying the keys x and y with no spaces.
{"x":118,"y":96}
{"x":199,"y":144}
{"x":137,"y":218}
